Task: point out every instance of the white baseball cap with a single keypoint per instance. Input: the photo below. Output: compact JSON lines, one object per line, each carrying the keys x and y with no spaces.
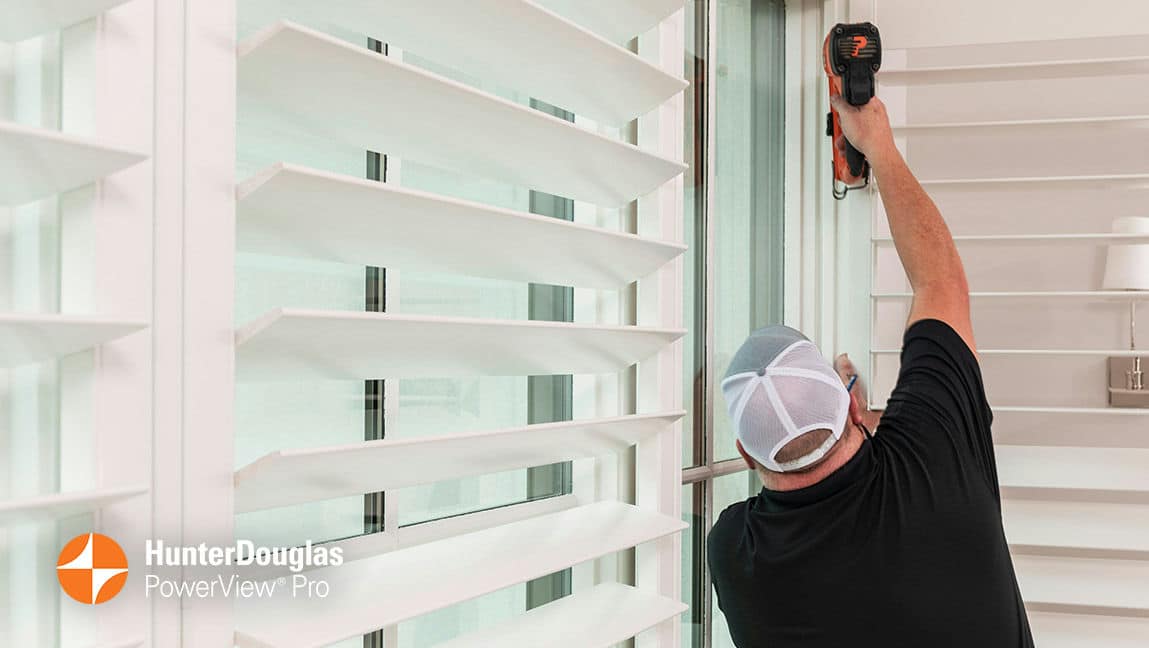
{"x":778,"y":388}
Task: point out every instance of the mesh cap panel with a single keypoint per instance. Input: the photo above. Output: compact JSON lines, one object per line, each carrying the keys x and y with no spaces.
{"x":778,"y":388}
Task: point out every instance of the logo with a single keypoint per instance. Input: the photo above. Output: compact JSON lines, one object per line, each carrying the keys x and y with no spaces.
{"x":92,"y":568}
{"x":860,"y":43}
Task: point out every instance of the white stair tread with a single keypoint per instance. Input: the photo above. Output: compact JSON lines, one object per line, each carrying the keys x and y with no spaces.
{"x":571,"y":67}
{"x":296,"y":476}
{"x":1104,"y":470}
{"x":293,"y":343}
{"x":27,"y":18}
{"x":1013,"y":239}
{"x":1066,"y":583}
{"x":599,"y":617}
{"x":1115,"y":181}
{"x":323,"y":86}
{"x":1121,"y":353}
{"x":1089,"y":411}
{"x":1097,"y":526}
{"x":32,"y":338}
{"x":62,"y":505}
{"x":1058,"y":630}
{"x":294,"y":211}
{"x":36,"y":163}
{"x":1030,"y":126}
{"x":614,"y":20}
{"x":127,"y":643}
{"x":375,"y":592}
{"x":1106,"y":295}
{"x":1118,"y":66}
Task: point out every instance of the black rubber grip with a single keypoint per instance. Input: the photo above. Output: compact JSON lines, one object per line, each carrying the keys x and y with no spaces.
{"x":855,"y":160}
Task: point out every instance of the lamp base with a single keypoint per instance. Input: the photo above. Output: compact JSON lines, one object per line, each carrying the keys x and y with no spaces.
{"x":1121,"y":392}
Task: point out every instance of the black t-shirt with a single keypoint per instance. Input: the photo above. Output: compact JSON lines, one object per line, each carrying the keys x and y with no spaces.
{"x":901,"y":546}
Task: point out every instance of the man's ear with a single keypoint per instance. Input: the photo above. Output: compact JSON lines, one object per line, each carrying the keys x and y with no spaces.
{"x":746,"y":456}
{"x":855,"y":410}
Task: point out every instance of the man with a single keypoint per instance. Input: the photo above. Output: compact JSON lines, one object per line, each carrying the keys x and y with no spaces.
{"x":856,"y":540}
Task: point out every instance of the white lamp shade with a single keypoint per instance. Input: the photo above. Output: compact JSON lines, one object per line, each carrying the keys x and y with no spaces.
{"x":1127,"y":266}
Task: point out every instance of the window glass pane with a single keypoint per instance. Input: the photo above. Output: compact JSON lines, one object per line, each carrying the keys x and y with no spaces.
{"x":692,"y":564}
{"x":694,"y":231}
{"x":435,"y":406}
{"x":302,"y":413}
{"x":728,"y":489}
{"x":442,"y":625}
{"x":748,"y":209}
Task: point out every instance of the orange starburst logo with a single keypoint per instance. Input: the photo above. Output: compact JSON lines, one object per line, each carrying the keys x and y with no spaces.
{"x":92,"y":568}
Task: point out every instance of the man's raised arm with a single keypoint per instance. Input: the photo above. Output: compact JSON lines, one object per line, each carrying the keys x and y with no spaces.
{"x":921,"y":237}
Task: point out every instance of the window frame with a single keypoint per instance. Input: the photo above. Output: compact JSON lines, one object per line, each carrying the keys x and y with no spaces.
{"x":802,"y":29}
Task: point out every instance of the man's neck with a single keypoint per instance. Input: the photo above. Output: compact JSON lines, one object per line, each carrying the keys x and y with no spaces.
{"x":842,"y":452}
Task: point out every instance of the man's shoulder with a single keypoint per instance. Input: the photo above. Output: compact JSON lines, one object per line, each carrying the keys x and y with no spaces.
{"x":727,"y":531}
{"x":734,"y":516}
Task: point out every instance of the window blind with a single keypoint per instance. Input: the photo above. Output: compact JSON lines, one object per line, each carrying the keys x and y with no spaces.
{"x":76,"y":149}
{"x":312,"y":85}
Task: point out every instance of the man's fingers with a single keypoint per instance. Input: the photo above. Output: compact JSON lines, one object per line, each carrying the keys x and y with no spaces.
{"x":839,"y":103}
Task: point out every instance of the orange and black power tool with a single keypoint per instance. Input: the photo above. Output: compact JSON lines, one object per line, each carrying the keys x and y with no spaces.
{"x":852,"y":54}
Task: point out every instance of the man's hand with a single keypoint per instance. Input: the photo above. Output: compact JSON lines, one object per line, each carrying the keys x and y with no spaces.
{"x":866,"y":127}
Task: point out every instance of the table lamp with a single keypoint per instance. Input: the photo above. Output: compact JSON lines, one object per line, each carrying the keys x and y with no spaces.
{"x":1127,"y":268}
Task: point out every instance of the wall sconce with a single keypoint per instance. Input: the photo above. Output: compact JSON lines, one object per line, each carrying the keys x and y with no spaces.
{"x":1127,"y":268}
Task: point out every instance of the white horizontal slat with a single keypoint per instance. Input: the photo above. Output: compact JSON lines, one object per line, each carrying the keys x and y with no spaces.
{"x":1059,"y":630}
{"x":1097,"y":473}
{"x":127,"y":643}
{"x":369,"y":545}
{"x":294,"y":211}
{"x":570,"y":67}
{"x":1065,"y":527}
{"x":36,"y":163}
{"x":1105,"y":586}
{"x":384,"y":590}
{"x":1008,"y":239}
{"x":1124,"y":181}
{"x":32,"y":338}
{"x":62,"y":505}
{"x":434,"y":530}
{"x":290,"y":343}
{"x":326,"y":87}
{"x":1015,"y":71}
{"x":296,"y":476}
{"x":595,"y":618}
{"x":1087,"y":411}
{"x":1028,"y":126}
{"x":614,"y":20}
{"x":1105,"y":295}
{"x":1121,"y":353}
{"x":27,"y":18}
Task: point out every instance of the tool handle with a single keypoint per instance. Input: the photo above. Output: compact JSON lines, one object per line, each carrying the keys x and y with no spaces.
{"x":855,"y":159}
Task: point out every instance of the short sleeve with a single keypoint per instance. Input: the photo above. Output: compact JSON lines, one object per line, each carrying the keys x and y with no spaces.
{"x":940,"y":398}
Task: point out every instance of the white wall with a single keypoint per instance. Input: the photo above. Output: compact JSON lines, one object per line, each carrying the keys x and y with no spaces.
{"x":1056,"y":579}
{"x":914,"y":23}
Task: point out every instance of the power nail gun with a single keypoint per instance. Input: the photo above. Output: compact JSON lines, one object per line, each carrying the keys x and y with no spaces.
{"x":851,"y":55}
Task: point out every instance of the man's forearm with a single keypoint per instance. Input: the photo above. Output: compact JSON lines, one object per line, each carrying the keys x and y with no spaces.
{"x":920,"y":235}
{"x":922,"y":239}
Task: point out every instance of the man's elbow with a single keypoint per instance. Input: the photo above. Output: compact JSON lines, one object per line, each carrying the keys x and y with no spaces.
{"x":954,"y":287}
